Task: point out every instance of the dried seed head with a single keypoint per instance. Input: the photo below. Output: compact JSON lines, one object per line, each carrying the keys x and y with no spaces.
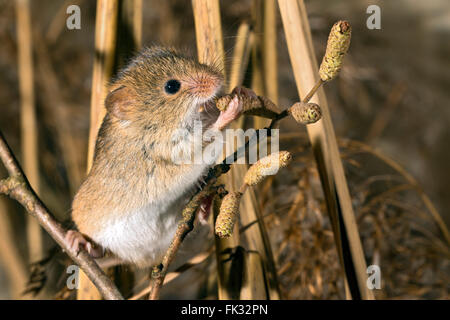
{"x":257,"y":106}
{"x":306,"y":113}
{"x":337,"y":46}
{"x":266,"y":166}
{"x":229,"y":210}
{"x":223,"y":102}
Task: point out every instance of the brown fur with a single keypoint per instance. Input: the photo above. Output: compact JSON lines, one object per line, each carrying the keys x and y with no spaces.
{"x":134,"y":141}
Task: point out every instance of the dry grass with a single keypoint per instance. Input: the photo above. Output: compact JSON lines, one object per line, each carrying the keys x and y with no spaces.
{"x":398,"y":232}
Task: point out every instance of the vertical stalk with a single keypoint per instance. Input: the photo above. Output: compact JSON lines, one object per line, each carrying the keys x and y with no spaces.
{"x":28,"y":119}
{"x":9,"y":254}
{"x":256,"y":235}
{"x":105,"y":44}
{"x":264,"y":53}
{"x":323,"y":140}
{"x":208,"y":30}
{"x":209,"y":44}
{"x":269,"y":47}
{"x":257,"y":84}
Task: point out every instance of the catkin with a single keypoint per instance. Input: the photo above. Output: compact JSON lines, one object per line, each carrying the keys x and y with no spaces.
{"x":229,"y":210}
{"x":266,"y":166}
{"x":257,"y":106}
{"x":337,"y":46}
{"x":306,"y":113}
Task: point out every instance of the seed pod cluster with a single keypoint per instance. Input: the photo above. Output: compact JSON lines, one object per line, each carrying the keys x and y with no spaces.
{"x":266,"y":166}
{"x":305,"y":113}
{"x":229,"y":210}
{"x":337,"y":46}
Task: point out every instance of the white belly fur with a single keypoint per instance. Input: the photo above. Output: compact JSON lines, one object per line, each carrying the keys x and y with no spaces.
{"x":141,"y":237}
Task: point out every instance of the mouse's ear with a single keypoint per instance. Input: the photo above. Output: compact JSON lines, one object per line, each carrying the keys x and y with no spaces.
{"x":119,"y":102}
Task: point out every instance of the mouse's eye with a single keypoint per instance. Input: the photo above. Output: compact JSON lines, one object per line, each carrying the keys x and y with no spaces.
{"x":172,"y":86}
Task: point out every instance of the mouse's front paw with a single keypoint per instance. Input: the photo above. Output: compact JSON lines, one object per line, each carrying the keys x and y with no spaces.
{"x":231,"y":113}
{"x":76,"y":241}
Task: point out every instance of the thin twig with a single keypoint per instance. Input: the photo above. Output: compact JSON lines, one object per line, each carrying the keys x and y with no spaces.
{"x":17,"y":187}
{"x":184,"y":227}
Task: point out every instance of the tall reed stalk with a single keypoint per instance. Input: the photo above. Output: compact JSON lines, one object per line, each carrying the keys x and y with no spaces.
{"x":28,"y":119}
{"x":208,"y":30}
{"x":105,"y":46}
{"x":323,"y":140}
{"x":210,"y":45}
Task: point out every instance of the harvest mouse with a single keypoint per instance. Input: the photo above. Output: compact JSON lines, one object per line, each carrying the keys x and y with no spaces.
{"x":131,"y":202}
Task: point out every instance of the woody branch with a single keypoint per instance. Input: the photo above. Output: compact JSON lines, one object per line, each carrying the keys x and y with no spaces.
{"x":17,"y":187}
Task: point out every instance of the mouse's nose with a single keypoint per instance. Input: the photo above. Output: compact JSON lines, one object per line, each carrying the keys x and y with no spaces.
{"x":204,"y":85}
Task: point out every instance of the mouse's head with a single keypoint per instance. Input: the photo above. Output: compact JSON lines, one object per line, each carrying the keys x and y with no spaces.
{"x":162,"y":88}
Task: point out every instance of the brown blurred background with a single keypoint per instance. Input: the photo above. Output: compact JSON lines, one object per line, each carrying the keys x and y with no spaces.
{"x":392,"y":94}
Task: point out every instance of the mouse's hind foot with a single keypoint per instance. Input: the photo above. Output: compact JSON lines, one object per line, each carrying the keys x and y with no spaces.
{"x":77,"y":241}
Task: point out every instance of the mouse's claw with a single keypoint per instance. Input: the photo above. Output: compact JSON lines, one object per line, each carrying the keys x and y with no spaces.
{"x":76,"y":241}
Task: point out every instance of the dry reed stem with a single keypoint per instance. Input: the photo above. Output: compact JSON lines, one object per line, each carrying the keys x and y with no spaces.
{"x":270,"y":58}
{"x":239,"y":62}
{"x":256,"y":236}
{"x":9,"y":255}
{"x":208,"y":30}
{"x":105,"y":43}
{"x":241,"y":54}
{"x":253,"y":282}
{"x":323,"y":140}
{"x":28,"y":119}
{"x":17,"y":187}
{"x":132,"y":16}
{"x":257,"y":81}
